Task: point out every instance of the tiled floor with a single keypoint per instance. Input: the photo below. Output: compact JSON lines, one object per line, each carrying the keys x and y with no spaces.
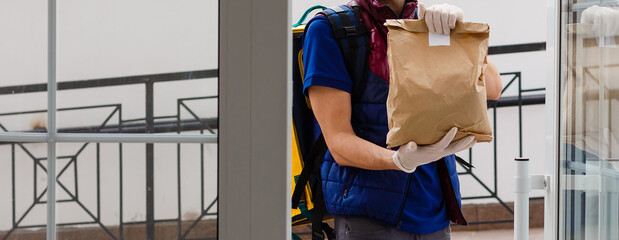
{"x":502,"y":234}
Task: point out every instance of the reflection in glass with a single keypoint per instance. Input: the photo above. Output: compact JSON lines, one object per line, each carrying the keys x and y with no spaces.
{"x":129,"y":67}
{"x":23,"y":66}
{"x":589,"y":125}
{"x":104,"y":188}
{"x":23,"y":181}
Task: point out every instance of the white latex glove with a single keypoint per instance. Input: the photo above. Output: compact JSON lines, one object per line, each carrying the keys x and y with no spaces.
{"x":605,"y":20}
{"x":440,"y":18}
{"x":411,"y":156}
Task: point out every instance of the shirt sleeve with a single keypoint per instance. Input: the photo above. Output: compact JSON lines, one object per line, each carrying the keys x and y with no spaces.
{"x":322,"y":58}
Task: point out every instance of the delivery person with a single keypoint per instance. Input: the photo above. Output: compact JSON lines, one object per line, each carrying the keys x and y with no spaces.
{"x":374,"y":192}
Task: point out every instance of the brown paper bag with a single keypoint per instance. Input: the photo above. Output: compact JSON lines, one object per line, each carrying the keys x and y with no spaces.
{"x":435,"y":88}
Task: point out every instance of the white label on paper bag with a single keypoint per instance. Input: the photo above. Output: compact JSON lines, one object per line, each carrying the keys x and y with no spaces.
{"x":437,"y":39}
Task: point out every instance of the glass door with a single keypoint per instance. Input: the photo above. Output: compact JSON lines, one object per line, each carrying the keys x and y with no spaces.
{"x":589,"y":120}
{"x":109,"y":119}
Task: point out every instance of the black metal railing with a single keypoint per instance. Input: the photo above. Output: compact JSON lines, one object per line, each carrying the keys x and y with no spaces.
{"x":149,"y":124}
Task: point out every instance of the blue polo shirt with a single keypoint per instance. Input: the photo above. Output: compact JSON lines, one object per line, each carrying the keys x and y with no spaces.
{"x":424,"y":210}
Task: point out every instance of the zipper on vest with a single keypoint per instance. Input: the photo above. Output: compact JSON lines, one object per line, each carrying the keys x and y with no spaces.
{"x":350,"y":182}
{"x":408,"y":183}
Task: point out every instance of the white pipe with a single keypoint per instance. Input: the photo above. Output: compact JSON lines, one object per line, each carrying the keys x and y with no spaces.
{"x":23,"y":137}
{"x":136,"y":138}
{"x":108,"y":137}
{"x":522,"y":188}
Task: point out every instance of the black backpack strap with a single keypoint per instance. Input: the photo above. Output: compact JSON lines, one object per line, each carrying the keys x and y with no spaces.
{"x":319,"y":211}
{"x":311,"y":162}
{"x":319,"y":228}
{"x":353,"y":38}
{"x":328,"y":230}
{"x":312,"y":168}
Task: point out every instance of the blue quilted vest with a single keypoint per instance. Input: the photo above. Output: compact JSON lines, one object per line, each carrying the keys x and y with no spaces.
{"x":380,"y":195}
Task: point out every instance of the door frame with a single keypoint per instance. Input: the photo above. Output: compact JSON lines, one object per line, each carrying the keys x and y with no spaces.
{"x":553,"y":49}
{"x":254,"y":119}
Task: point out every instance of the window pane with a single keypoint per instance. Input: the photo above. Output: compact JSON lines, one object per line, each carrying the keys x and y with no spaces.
{"x":589,"y":150}
{"x":137,"y":67}
{"x":103,"y":188}
{"x":23,"y":66}
{"x":23,"y":181}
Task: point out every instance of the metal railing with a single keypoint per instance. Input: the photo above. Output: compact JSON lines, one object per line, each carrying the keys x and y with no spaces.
{"x":149,"y":124}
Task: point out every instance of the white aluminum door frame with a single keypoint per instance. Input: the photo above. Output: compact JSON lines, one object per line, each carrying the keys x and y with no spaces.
{"x":254,"y":119}
{"x":553,"y":49}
